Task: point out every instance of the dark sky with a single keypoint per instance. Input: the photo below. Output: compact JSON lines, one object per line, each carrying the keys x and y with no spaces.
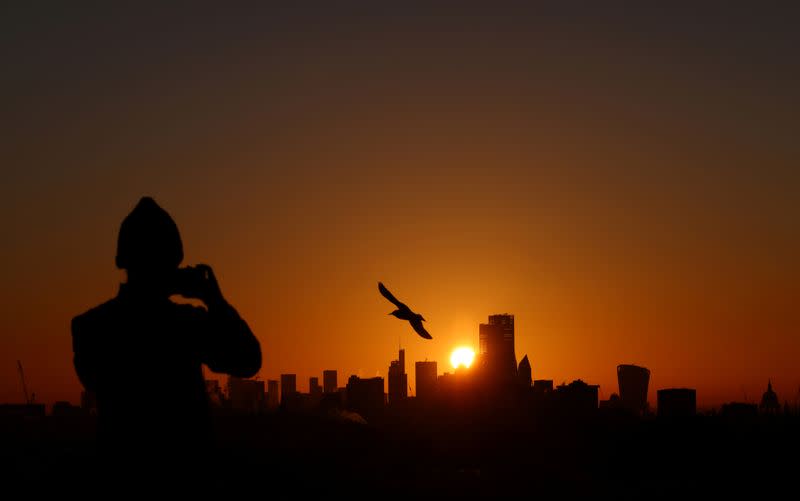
{"x":623,"y":179}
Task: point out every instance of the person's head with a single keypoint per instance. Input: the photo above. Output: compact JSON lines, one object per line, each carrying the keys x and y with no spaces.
{"x":149,"y":246}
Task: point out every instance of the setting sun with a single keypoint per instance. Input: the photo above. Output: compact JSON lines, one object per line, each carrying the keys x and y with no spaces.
{"x":462,"y":357}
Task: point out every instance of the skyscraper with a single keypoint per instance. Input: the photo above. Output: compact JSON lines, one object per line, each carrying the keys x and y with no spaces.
{"x":524,"y":372}
{"x":329,"y":381}
{"x":288,"y":386}
{"x":398,"y":379}
{"x":426,"y":375}
{"x":497,"y":361}
{"x":633,"y":382}
{"x":273,"y":393}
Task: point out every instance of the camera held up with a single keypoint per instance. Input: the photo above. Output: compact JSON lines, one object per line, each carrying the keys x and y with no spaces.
{"x":190,"y":282}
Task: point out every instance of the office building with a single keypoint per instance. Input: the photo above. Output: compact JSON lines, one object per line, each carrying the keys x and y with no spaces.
{"x":633,"y":382}
{"x":497,"y":361}
{"x":288,"y":386}
{"x":329,"y":381}
{"x":426,"y":376}
{"x":273,"y":393}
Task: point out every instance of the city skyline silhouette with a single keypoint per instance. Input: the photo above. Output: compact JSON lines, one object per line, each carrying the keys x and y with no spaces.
{"x":596,"y":203}
{"x":628,"y":191}
{"x":477,"y":424}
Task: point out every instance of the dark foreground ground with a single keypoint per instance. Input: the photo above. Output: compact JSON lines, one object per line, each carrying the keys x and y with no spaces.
{"x":433,"y":455}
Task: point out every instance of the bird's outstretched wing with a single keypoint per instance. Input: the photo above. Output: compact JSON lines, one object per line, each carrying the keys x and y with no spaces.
{"x":417,"y":325}
{"x":388,"y":295}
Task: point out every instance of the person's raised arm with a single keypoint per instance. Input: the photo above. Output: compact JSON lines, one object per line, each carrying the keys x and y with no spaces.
{"x":229,"y":345}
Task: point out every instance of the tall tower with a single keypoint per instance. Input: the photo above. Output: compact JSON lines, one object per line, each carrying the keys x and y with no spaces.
{"x":524,"y":372}
{"x":398,"y":379}
{"x":498,"y":362}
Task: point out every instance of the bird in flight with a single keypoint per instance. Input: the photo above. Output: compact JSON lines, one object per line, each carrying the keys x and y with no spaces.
{"x":403,"y":312}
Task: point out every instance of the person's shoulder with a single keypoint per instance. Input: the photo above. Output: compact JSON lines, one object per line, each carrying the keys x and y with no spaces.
{"x":94,"y":317}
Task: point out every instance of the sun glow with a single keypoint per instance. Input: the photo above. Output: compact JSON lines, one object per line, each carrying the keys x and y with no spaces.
{"x":462,"y":357}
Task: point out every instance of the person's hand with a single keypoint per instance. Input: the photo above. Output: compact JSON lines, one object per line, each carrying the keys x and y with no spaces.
{"x":209,"y":292}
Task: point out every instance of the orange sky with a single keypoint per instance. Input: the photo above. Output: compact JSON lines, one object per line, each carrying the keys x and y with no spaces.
{"x":624,"y":183}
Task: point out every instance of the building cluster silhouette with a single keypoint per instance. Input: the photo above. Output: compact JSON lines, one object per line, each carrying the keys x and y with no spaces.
{"x":472,"y":431}
{"x":495,"y":376}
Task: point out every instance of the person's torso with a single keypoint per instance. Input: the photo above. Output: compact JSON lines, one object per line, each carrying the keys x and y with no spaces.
{"x":148,"y":372}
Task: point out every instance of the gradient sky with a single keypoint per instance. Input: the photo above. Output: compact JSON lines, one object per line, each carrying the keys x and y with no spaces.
{"x":624,"y":181}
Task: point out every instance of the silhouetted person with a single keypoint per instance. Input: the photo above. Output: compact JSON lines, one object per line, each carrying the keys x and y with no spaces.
{"x":142,"y":354}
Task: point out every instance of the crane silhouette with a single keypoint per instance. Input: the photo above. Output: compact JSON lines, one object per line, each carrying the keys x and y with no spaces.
{"x":28,"y":399}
